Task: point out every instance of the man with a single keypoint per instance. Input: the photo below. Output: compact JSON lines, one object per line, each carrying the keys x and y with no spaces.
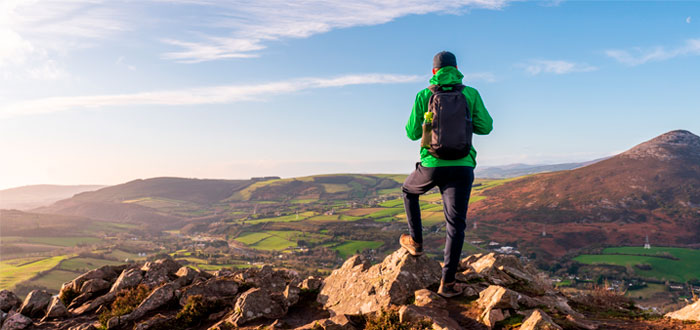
{"x":452,"y":172}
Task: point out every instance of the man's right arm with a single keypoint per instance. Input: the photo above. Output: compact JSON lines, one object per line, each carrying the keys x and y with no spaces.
{"x":414,"y":129}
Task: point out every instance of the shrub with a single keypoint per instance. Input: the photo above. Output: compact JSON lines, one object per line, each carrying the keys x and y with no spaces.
{"x":127,"y":300}
{"x":191,"y":315}
{"x":389,"y":320}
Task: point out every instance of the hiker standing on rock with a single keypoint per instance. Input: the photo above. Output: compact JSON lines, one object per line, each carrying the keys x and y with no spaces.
{"x":444,"y":115}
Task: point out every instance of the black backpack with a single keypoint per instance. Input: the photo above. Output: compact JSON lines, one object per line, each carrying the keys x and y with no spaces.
{"x":452,"y":125}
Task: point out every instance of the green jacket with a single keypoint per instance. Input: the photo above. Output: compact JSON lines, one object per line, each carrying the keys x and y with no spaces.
{"x":483,"y":124}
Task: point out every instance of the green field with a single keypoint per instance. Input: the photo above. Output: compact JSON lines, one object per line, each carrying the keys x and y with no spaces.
{"x":278,"y":239}
{"x":350,"y":248}
{"x":687,"y":266}
{"x":15,"y":271}
{"x":85,"y":264}
{"x":56,"y":241}
{"x":53,"y":279}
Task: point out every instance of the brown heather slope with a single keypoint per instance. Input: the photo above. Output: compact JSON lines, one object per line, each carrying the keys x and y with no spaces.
{"x":652,"y":189}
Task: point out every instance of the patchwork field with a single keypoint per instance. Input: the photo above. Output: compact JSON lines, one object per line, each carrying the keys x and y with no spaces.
{"x":350,"y":248}
{"x":666,"y":263}
{"x":15,"y":271}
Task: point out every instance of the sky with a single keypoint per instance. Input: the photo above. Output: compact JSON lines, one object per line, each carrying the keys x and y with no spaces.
{"x":104,"y":92}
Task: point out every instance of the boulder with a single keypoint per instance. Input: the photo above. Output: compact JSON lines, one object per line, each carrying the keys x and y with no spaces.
{"x":214,"y":289}
{"x":35,"y":303}
{"x":338,"y":322}
{"x":687,"y":313}
{"x":129,"y":278}
{"x":8,"y":301}
{"x":291,"y":295}
{"x":358,"y":288}
{"x":86,"y":326}
{"x":3,"y":316}
{"x":159,"y":271}
{"x":439,"y":318}
{"x":94,"y":286}
{"x":539,"y":320}
{"x":56,"y":309}
{"x":159,"y":297}
{"x":16,"y":321}
{"x":274,"y":280}
{"x":94,"y":304}
{"x":185,"y":276}
{"x":491,"y":303}
{"x":257,"y":303}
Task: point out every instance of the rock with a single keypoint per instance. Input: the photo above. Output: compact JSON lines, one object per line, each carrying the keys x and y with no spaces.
{"x":439,"y":318}
{"x":8,"y":301}
{"x":291,"y":295}
{"x":86,"y":326}
{"x":159,"y":297}
{"x":427,"y":298}
{"x":257,"y":303}
{"x":687,"y":313}
{"x":3,"y":316}
{"x":539,"y":320}
{"x":94,"y":286}
{"x":504,"y":270}
{"x":273,"y":280}
{"x":338,"y":322}
{"x":94,"y":304}
{"x":214,"y":289}
{"x":106,"y":273}
{"x":311,"y":283}
{"x":357,"y":288}
{"x":158,"y":322}
{"x":185,"y":276}
{"x":35,"y":303}
{"x":56,"y":309}
{"x":16,"y":321}
{"x":559,"y":303}
{"x":159,"y":271}
{"x":471,"y":290}
{"x":129,"y":278}
{"x":582,"y":324}
{"x":492,"y":300}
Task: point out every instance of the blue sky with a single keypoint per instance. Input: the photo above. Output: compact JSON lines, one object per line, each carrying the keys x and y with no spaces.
{"x":110,"y":91}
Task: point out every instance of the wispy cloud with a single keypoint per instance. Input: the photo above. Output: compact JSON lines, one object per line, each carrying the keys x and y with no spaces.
{"x":32,"y":32}
{"x":637,"y":56}
{"x":535,"y":67}
{"x":688,"y":19}
{"x":480,"y":76}
{"x":199,"y":95}
{"x":251,"y":25}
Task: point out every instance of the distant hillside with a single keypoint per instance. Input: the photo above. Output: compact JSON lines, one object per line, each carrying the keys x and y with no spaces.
{"x":29,"y":197}
{"x":171,"y":202}
{"x":654,"y":189}
{"x":516,"y":170}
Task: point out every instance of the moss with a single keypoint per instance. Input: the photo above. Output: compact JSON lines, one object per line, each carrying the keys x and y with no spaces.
{"x":127,"y":300}
{"x":68,"y":295}
{"x":512,"y":322}
{"x":389,"y":320}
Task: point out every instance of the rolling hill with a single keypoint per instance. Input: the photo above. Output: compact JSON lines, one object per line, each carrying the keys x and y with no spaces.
{"x":516,"y":170}
{"x":652,"y":189}
{"x":33,"y":196}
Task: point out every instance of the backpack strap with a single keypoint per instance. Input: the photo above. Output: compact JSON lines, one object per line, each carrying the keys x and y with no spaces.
{"x":441,"y":88}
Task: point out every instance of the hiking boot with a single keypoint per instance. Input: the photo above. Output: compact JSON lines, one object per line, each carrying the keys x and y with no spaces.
{"x":448,"y":290}
{"x":410,"y":245}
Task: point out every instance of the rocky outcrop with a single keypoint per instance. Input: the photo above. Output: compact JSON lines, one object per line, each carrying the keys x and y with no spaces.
{"x":359,"y":288}
{"x":8,"y":301}
{"x":687,"y":313}
{"x":496,"y":304}
{"x":35,"y":303}
{"x":158,"y":298}
{"x":214,"y":289}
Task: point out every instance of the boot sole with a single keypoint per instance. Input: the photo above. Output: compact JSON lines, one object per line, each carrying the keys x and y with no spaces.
{"x":413,"y":253}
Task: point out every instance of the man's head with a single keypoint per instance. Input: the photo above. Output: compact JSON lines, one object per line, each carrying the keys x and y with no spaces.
{"x":443,"y":59}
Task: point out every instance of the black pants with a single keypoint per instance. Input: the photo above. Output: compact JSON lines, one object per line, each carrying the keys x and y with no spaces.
{"x":455,"y":184}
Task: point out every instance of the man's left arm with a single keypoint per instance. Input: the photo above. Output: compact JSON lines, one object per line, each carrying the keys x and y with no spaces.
{"x":483,"y":123}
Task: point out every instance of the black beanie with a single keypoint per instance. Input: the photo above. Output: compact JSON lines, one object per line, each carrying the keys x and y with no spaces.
{"x":443,"y":59}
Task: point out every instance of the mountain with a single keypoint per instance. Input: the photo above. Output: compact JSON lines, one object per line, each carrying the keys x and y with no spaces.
{"x":29,"y":197}
{"x":652,"y":189}
{"x":516,"y":170}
